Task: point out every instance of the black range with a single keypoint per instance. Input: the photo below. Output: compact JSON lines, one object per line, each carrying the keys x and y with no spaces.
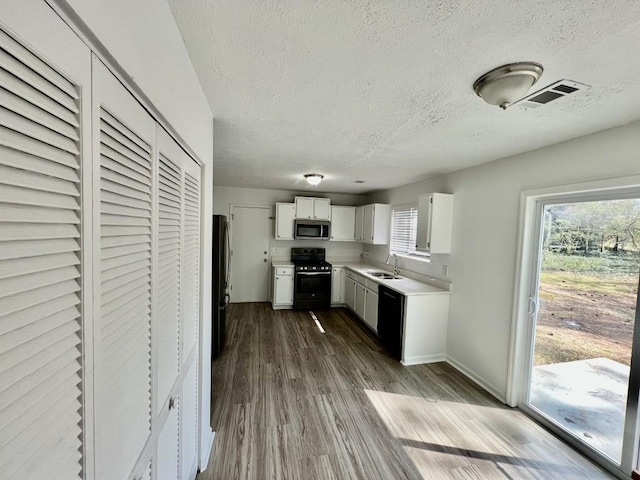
{"x":312,"y":279}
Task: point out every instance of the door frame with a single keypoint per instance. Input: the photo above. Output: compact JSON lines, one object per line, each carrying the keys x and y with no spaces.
{"x":232,"y":206}
{"x":532,"y":203}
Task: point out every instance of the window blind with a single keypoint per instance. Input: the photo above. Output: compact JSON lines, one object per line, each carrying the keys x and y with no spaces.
{"x":404,"y":227}
{"x":41,"y":415}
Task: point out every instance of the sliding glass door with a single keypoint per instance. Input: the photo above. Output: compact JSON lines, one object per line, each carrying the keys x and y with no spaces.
{"x":583,"y":311}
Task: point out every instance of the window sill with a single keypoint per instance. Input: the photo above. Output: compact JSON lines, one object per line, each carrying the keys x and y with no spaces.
{"x":418,"y":258}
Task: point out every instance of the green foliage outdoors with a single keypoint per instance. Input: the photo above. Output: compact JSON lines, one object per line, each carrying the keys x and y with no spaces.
{"x":588,"y":281}
{"x":605,"y":264}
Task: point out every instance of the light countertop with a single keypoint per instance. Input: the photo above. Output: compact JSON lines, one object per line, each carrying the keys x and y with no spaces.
{"x":403,"y":285}
{"x":282,"y":263}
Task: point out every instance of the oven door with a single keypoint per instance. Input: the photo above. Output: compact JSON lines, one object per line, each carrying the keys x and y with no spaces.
{"x":312,"y":290}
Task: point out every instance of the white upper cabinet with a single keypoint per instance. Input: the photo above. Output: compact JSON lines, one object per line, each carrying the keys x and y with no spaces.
{"x":435,"y":221}
{"x":321,"y":209}
{"x":313,"y":208}
{"x":343,"y":224}
{"x":376,"y":223}
{"x":285,"y":215}
{"x":304,"y":207}
{"x":359,"y":235}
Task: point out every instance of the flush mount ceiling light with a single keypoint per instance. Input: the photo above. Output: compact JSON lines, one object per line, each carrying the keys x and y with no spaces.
{"x":313,"y":178}
{"x":507,"y":84}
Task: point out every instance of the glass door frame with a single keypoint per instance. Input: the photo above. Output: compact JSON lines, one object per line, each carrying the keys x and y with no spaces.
{"x":529,"y":257}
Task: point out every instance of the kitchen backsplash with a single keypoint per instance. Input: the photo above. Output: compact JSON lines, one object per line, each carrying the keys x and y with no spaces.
{"x":281,"y":249}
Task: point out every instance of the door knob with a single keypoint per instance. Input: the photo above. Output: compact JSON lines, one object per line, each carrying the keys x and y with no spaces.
{"x":265,"y":260}
{"x":265,"y":253}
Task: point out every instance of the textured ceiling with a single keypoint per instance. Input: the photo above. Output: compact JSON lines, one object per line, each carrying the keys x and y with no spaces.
{"x":381,"y":91}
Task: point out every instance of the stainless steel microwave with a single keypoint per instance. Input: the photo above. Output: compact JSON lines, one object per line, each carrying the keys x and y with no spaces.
{"x":311,"y":230}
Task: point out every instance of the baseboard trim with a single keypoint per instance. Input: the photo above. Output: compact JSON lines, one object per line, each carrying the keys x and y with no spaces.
{"x":471,"y":375}
{"x":206,"y":453}
{"x":420,"y":359}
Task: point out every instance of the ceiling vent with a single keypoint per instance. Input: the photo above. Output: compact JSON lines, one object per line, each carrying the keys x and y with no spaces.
{"x":551,"y":93}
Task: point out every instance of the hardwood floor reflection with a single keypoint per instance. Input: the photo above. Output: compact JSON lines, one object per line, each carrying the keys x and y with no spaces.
{"x":290,"y":402}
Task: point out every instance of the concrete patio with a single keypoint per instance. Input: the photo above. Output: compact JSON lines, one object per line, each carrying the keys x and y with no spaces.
{"x":587,"y":397}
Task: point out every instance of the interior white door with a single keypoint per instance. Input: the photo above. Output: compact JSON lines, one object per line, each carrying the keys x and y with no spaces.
{"x":44,"y":222}
{"x":166,"y":321}
{"x":250,"y":234}
{"x":123,"y":137}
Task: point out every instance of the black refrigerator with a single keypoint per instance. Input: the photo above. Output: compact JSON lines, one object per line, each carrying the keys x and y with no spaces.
{"x":220,"y":282}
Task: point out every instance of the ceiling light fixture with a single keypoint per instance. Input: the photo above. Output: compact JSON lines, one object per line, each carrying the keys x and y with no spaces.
{"x":313,"y":178}
{"x":507,"y":84}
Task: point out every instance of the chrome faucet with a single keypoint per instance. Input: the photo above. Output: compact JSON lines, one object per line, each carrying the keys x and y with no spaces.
{"x":395,"y":266}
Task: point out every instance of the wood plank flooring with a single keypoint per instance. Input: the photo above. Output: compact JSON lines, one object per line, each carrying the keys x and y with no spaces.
{"x":290,"y":402}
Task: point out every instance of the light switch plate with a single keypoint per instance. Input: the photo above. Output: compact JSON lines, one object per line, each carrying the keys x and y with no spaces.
{"x":445,"y":270}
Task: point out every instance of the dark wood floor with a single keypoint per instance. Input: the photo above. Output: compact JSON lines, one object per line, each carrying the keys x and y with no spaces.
{"x":290,"y":402}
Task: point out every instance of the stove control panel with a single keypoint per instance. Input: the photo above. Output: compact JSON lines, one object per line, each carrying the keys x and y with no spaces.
{"x":313,"y":268}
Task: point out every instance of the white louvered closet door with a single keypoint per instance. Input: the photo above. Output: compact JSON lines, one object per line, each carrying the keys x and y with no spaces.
{"x":191,"y":260}
{"x":190,"y":320}
{"x":43,"y":153}
{"x":166,"y":323}
{"x":123,"y":137}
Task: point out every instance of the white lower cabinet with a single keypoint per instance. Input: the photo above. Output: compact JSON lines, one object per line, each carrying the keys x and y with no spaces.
{"x":282,"y":287}
{"x":361,"y":300}
{"x":350,"y":292}
{"x":371,"y":309}
{"x":337,"y":286}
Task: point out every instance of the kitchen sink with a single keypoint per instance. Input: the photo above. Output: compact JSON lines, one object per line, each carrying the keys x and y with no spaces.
{"x":384,"y":275}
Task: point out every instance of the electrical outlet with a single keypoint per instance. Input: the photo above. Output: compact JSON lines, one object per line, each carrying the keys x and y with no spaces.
{"x":274,"y":250}
{"x":445,"y":270}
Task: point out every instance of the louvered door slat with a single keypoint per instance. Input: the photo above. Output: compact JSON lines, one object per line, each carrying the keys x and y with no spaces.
{"x":29,"y":382}
{"x":27,"y":444}
{"x":26,"y":161}
{"x":17,"y":105}
{"x":125,"y":295}
{"x":191,"y":261}
{"x":21,"y":196}
{"x":167,"y":320}
{"x":23,"y":90}
{"x":40,"y":84}
{"x":20,"y":52}
{"x":40,"y":274}
{"x":36,"y":313}
{"x":114,"y":187}
{"x":11,"y":286}
{"x":112,"y":121}
{"x":122,"y":143}
{"x":24,"y":333}
{"x":36,"y":131}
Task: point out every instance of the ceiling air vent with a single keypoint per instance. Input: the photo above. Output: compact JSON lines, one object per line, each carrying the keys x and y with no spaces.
{"x":550,"y":93}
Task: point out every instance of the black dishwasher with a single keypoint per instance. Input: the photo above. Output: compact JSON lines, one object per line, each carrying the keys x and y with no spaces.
{"x":391,"y":320}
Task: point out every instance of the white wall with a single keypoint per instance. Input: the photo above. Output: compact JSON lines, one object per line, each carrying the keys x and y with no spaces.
{"x":143,"y":38}
{"x":224,"y":197}
{"x":485,"y":230}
